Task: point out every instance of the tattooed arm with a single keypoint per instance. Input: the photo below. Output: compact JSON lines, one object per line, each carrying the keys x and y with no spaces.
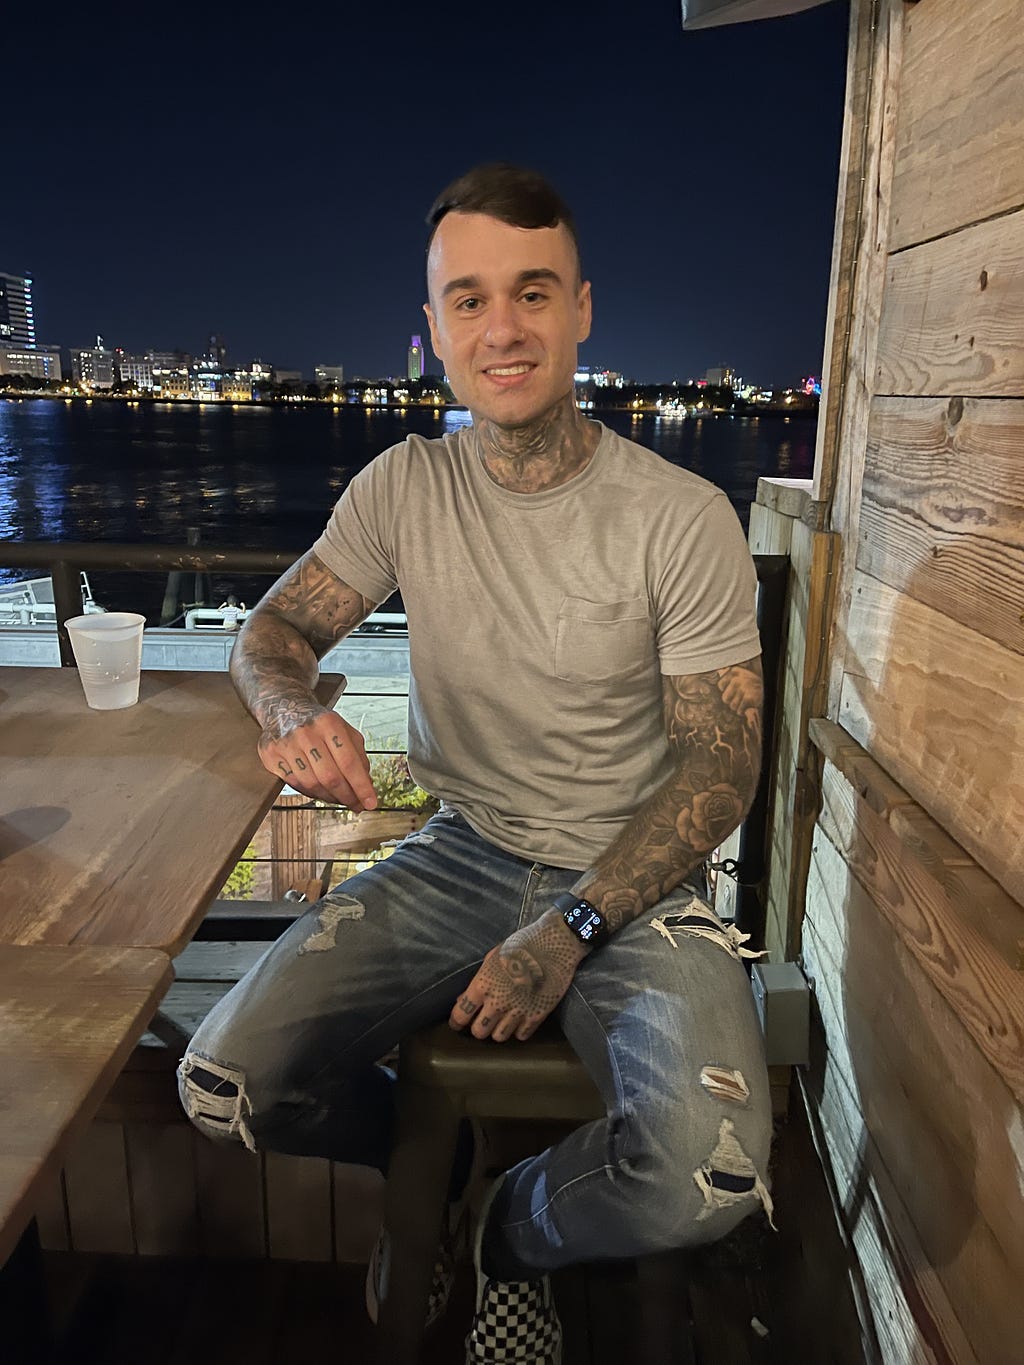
{"x":713,"y":722}
{"x":274,"y":670}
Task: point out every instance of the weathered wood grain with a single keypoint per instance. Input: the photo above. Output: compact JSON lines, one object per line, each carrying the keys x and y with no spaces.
{"x":984,"y":991}
{"x":120,"y":827}
{"x":954,"y":314}
{"x":974,"y":897}
{"x":859,"y":242}
{"x":942,"y":709}
{"x":839,"y":471}
{"x":942,"y":515}
{"x":960,"y":122}
{"x":69,"y":1018}
{"x":931,"y":1127}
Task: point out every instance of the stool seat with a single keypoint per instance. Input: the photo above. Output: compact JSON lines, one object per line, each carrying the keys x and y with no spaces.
{"x":539,"y":1079}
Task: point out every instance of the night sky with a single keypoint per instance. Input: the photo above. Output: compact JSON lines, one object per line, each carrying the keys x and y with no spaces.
{"x":264,"y":172}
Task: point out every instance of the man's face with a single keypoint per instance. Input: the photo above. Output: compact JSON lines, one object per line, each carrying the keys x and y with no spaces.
{"x":506,"y":314}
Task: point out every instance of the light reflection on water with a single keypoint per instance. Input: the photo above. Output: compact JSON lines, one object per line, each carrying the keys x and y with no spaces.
{"x":263,"y":477}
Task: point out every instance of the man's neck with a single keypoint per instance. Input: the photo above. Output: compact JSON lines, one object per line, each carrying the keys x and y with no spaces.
{"x":547,"y":452}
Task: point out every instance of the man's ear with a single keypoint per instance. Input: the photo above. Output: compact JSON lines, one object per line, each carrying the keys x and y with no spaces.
{"x":584,"y":311}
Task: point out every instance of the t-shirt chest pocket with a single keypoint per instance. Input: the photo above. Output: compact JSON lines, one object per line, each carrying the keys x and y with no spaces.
{"x":595,"y":641}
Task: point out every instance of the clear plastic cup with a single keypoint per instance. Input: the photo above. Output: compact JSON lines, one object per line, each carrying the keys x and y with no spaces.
{"x":108,"y":651}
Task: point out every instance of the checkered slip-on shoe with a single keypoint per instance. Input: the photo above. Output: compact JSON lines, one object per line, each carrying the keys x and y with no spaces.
{"x":515,"y":1320}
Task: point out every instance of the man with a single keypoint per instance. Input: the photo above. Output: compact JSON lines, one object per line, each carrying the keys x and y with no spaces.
{"x":586,"y":699}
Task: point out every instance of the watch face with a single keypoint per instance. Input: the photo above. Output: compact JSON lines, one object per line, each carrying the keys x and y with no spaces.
{"x":585,"y":922}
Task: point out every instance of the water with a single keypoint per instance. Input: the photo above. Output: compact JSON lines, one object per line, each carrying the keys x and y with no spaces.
{"x":267,"y":477}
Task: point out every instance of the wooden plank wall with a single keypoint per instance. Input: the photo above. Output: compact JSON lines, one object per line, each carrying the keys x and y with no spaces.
{"x":913,"y":927}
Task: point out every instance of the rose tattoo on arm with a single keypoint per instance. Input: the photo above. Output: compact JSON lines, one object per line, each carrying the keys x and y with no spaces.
{"x":713,"y":725}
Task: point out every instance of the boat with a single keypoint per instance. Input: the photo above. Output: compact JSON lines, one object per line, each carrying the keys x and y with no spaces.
{"x":30,"y":602}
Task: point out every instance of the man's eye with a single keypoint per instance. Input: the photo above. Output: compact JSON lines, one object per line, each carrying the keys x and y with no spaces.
{"x":469,"y":305}
{"x":533,"y":296}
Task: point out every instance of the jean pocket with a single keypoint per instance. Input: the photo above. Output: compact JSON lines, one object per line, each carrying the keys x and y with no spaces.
{"x":596,"y":641}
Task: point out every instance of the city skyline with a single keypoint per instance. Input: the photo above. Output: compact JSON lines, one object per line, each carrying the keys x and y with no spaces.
{"x":701,"y":168}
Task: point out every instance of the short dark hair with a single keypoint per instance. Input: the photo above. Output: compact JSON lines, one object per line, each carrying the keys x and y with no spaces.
{"x":512,"y":194}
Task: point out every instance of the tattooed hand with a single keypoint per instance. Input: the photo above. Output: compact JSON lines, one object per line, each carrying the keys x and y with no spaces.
{"x":318,"y":753}
{"x":520,"y":981}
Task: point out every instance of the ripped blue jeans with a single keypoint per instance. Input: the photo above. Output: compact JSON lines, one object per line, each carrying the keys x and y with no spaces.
{"x":663,"y":1019}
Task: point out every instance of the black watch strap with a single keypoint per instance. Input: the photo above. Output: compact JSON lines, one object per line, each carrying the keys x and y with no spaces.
{"x":584,"y":919}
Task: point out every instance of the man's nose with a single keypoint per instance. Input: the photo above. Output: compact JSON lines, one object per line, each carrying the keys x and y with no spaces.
{"x":503,"y":326}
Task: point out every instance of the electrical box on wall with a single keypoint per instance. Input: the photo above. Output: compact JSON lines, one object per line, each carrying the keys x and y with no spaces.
{"x":783,"y":1001}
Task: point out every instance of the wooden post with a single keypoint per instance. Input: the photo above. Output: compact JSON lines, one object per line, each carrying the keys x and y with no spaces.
{"x":294,"y":836}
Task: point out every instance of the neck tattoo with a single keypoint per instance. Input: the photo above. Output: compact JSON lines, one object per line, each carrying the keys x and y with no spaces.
{"x":544,"y":453}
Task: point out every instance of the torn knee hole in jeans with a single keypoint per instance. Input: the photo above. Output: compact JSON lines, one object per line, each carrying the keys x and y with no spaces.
{"x":334,"y":909}
{"x":725,"y":1084}
{"x":214,"y":1096}
{"x":698,"y":920}
{"x":728,"y":1177}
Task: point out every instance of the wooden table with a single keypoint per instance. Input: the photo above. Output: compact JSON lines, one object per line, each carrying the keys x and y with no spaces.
{"x":69,"y":1016}
{"x":120,"y":827}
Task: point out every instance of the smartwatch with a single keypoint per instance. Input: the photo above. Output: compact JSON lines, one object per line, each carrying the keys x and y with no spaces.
{"x":584,"y":919}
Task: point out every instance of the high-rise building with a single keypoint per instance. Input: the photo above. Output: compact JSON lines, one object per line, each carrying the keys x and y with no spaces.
{"x":217,"y":351}
{"x":415,"y":369}
{"x":93,"y":365}
{"x":330,"y":376}
{"x":17,"y":325}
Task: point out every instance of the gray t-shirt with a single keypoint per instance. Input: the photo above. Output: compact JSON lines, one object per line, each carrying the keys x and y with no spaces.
{"x":539,"y":626}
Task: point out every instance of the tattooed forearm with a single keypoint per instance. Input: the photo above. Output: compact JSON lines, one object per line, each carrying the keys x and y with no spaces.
{"x":274,"y":664}
{"x":713,"y":723}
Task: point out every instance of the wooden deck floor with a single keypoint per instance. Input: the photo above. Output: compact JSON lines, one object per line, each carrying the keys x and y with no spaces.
{"x":120,"y":1310}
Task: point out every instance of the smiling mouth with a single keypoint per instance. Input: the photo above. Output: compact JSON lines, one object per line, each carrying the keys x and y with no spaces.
{"x":508,"y":371}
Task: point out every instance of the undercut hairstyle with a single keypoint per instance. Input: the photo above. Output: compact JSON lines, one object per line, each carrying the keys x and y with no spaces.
{"x":512,"y":194}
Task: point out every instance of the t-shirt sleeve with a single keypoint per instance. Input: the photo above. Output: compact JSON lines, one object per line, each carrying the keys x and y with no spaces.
{"x":706,"y":595}
{"x":357,"y":543}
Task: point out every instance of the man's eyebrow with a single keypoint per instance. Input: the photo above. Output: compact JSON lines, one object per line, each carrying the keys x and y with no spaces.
{"x":463,"y":282}
{"x":535,"y":276}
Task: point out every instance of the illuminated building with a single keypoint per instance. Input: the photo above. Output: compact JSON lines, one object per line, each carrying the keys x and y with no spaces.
{"x":721,"y":377}
{"x":415,"y":367}
{"x":93,"y":366}
{"x":17,"y":325}
{"x":330,"y":376}
{"x":136,"y":370}
{"x":217,"y":351}
{"x":41,"y":362}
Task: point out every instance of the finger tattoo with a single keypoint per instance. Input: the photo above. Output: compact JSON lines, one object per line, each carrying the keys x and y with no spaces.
{"x":338,"y":743}
{"x":285,"y":768}
{"x":468,"y":1006}
{"x":315,"y":753}
{"x":300,"y":765}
